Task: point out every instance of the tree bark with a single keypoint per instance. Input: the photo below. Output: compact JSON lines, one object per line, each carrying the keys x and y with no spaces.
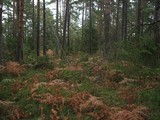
{"x":32,"y":44}
{"x":157,"y":30}
{"x":68,"y":31}
{"x":20,"y":31}
{"x":138,"y":32}
{"x":57,"y":28}
{"x":44,"y":27}
{"x":14,"y":23}
{"x":38,"y":28}
{"x":124,"y":19}
{"x":64,"y":29}
{"x":157,"y":18}
{"x":82,"y":23}
{"x":117,"y":20}
{"x":1,"y":11}
{"x":90,"y":26}
{"x":106,"y":28}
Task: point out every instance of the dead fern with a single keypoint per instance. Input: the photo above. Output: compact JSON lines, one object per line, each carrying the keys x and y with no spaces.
{"x":102,"y":114}
{"x":127,"y":94}
{"x":81,"y":102}
{"x":138,"y":113}
{"x":18,"y":114}
{"x":126,"y":81}
{"x":48,"y":98}
{"x":54,"y":115}
{"x":115,"y":76}
{"x":75,"y":68}
{"x":14,"y":68}
{"x":50,"y":52}
{"x":5,"y":103}
{"x":53,"y":74}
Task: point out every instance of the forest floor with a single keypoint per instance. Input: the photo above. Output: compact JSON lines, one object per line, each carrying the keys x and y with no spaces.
{"x":83,"y":88}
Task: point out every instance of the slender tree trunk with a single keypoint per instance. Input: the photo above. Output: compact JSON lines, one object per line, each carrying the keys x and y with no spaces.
{"x":8,"y":15}
{"x":64,"y":28}
{"x":142,"y":16}
{"x":157,"y":18}
{"x":124,"y":19}
{"x":14,"y":23}
{"x":100,"y":25}
{"x":138,"y":32}
{"x":20,"y":31}
{"x":61,"y":19}
{"x":32,"y":44}
{"x":38,"y":28}
{"x":106,"y":28}
{"x":44,"y":27}
{"x":117,"y":21}
{"x":57,"y":28}
{"x":16,"y":27}
{"x":1,"y":11}
{"x":68,"y":30}
{"x":157,"y":31}
{"x":17,"y":9}
{"x":90,"y":26}
{"x":82,"y":24}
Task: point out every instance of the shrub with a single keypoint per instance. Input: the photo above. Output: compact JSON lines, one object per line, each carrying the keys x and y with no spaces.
{"x":151,"y":98}
{"x":2,"y":69}
{"x":43,"y":62}
{"x":84,"y":57}
{"x":71,"y":75}
{"x":144,"y":51}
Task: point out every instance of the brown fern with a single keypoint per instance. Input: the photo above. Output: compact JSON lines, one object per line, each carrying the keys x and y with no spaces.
{"x":14,"y":68}
{"x":54,"y":115}
{"x":84,"y":102}
{"x":139,"y":113}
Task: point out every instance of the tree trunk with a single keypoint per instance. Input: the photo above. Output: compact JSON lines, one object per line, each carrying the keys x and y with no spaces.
{"x":82,"y":24}
{"x":14,"y":23}
{"x":68,"y":31}
{"x":20,"y":30}
{"x":57,"y":29}
{"x":157,"y":30}
{"x":138,"y":19}
{"x":100,"y":26}
{"x":44,"y":27}
{"x":117,"y":21}
{"x":106,"y":28}
{"x":157,"y":18}
{"x":8,"y":16}
{"x":38,"y":28}
{"x":32,"y":43}
{"x":90,"y":26}
{"x":64,"y":29}
{"x":1,"y":11}
{"x":124,"y":19}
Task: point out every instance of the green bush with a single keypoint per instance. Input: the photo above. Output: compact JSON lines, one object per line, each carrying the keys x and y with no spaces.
{"x":84,"y":57}
{"x":143,"y":51}
{"x":89,"y":45}
{"x":151,"y":99}
{"x":71,"y":75}
{"x":43,"y":62}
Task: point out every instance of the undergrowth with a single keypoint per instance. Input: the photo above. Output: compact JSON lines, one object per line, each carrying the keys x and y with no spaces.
{"x":84,"y":89}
